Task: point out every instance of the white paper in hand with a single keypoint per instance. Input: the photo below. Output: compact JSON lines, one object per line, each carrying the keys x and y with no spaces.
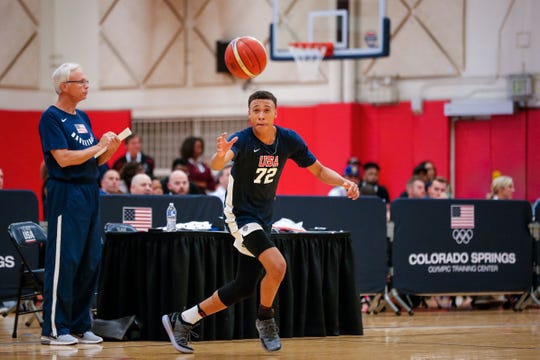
{"x":122,"y":136}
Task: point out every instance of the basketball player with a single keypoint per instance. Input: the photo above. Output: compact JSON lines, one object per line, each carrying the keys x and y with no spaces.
{"x":73,"y":250}
{"x":259,"y":153}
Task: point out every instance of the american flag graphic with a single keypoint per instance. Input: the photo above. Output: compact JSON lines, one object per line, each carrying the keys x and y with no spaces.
{"x":81,"y":129}
{"x":462,"y":216}
{"x":139,"y":217}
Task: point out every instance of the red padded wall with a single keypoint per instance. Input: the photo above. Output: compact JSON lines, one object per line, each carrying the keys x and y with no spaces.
{"x":20,"y":150}
{"x":390,"y":135}
{"x":485,"y":146}
{"x":326,"y":128}
{"x":533,"y":155}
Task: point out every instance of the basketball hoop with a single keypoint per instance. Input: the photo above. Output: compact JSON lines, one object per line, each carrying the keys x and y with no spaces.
{"x":308,"y":57}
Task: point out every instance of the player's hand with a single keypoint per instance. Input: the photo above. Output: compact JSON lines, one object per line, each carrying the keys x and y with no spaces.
{"x":222,"y":145}
{"x":352,"y":189}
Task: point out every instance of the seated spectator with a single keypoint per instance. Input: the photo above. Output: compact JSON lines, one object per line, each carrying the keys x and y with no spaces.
{"x":141,"y":184}
{"x":430,"y":171}
{"x":110,"y":182}
{"x":351,"y":172}
{"x":370,"y":182}
{"x":415,"y":188}
{"x":370,"y":185}
{"x":502,"y":188}
{"x":181,"y":164}
{"x":199,"y":172}
{"x":127,"y":173}
{"x":178,"y":183}
{"x":134,"y":154}
{"x":353,"y":160}
{"x":438,"y":188}
{"x":222,"y":182}
{"x":157,"y":187}
{"x":419,"y":172}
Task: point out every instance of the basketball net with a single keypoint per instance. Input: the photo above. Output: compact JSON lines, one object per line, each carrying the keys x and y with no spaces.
{"x":308,"y":57}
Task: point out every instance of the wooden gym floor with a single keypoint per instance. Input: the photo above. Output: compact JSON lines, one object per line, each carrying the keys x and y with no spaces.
{"x":431,"y":333}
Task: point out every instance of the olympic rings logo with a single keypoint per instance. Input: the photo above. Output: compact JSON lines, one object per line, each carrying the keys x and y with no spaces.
{"x":462,"y":236}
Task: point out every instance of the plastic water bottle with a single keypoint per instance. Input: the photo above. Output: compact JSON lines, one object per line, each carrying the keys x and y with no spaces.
{"x":171,"y":217}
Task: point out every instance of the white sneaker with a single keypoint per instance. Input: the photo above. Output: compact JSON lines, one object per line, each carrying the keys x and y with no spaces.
{"x":88,"y":338}
{"x":65,"y":339}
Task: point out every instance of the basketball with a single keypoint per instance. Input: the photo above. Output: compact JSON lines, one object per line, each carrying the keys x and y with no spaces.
{"x":245,"y":57}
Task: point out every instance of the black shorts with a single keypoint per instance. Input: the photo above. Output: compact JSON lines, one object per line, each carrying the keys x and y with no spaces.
{"x":257,"y":242}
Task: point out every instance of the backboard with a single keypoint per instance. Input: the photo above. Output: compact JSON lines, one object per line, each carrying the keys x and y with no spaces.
{"x":357,"y":28}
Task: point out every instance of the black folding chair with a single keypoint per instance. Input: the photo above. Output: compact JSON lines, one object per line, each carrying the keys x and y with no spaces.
{"x":28,"y":235}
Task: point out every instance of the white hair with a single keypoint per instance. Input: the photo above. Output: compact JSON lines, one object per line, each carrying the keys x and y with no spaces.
{"x":62,"y":73}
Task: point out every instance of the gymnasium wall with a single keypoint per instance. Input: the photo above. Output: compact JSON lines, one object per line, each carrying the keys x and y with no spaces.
{"x":390,"y":135}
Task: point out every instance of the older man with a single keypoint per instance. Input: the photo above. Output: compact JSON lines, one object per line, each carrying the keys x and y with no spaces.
{"x":141,"y":184}
{"x":73,"y":252}
{"x":178,"y":183}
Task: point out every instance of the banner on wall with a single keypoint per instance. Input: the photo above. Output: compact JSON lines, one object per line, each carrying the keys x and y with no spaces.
{"x":461,"y":246}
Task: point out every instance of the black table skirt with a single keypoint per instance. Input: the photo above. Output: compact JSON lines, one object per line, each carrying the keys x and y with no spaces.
{"x":149,"y":274}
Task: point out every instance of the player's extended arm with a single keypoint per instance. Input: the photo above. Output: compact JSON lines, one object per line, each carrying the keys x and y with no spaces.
{"x":330,"y":177}
{"x":223,"y":153}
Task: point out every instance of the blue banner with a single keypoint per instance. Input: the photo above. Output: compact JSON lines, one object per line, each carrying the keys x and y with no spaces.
{"x":461,"y":246}
{"x":364,"y":218}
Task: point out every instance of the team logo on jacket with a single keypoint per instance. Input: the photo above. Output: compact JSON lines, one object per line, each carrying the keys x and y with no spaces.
{"x":81,"y":129}
{"x":82,"y":135}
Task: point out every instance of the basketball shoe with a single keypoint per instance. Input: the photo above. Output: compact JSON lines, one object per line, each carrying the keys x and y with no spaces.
{"x":180,"y":335}
{"x":269,"y":334}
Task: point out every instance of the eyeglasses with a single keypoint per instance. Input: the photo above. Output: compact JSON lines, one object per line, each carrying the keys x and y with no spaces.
{"x":80,"y":82}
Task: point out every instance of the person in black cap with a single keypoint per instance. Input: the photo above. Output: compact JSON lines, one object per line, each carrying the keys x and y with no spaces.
{"x":351,"y":172}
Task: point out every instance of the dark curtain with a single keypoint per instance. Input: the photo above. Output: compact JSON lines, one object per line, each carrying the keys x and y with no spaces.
{"x":149,"y":274}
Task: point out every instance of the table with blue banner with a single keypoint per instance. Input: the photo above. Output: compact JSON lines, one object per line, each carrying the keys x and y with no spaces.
{"x":148,"y":274}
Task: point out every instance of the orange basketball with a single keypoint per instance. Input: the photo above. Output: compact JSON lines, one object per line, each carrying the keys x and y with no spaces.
{"x":245,"y":57}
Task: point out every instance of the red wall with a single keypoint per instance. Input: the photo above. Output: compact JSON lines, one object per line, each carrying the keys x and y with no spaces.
{"x":532,"y":139}
{"x":397,"y":139}
{"x":506,"y":144}
{"x":327,"y":129}
{"x":392,"y":136}
{"x":20,"y":145}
